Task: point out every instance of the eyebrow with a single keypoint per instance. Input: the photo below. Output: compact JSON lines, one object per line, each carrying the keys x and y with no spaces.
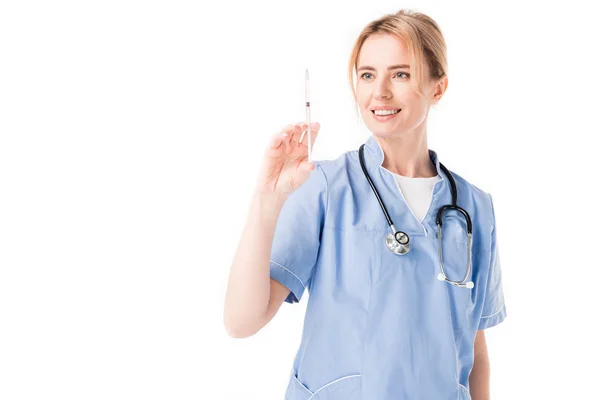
{"x":366,"y":67}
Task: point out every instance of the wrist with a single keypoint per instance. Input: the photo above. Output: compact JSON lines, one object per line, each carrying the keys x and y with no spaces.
{"x":268,"y":204}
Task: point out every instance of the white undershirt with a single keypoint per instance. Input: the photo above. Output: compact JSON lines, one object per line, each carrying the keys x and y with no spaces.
{"x":417,"y":192}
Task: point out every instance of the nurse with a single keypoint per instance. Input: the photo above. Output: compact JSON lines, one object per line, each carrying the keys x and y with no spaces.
{"x":378,"y":325}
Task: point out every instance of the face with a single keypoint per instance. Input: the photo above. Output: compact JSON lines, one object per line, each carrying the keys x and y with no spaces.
{"x":381,"y":88}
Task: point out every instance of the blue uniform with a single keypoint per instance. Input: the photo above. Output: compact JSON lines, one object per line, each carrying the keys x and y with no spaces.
{"x":380,"y":325}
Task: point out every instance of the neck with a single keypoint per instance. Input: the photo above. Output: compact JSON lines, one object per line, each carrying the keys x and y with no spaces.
{"x":407,"y":155}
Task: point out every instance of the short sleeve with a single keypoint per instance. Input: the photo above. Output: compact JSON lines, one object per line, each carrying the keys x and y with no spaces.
{"x":494,"y":308}
{"x":297,"y":236}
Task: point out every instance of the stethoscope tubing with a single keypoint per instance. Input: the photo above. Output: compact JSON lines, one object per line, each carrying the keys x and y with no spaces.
{"x":404,"y":238}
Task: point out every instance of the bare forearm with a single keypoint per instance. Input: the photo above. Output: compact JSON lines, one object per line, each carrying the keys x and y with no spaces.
{"x":479,"y":380}
{"x":248,"y":288}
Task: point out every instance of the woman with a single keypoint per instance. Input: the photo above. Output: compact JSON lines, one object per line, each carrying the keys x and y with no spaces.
{"x":378,"y":325}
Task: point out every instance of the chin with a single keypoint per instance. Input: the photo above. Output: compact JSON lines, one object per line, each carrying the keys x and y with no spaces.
{"x":382,"y":131}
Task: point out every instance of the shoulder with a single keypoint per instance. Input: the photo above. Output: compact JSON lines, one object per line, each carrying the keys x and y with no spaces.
{"x":340,"y":169}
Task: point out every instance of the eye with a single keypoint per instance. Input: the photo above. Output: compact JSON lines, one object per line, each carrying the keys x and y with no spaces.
{"x":367,"y":73}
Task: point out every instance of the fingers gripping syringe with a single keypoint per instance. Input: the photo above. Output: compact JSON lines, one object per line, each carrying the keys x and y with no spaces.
{"x":306,"y":95}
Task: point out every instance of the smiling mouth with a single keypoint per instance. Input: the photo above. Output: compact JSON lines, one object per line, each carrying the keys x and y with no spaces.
{"x":397,"y":111}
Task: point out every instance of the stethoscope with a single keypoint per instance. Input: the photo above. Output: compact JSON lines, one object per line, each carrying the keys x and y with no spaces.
{"x":398,"y":242}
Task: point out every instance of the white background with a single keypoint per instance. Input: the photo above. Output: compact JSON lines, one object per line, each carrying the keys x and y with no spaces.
{"x":131,"y":134}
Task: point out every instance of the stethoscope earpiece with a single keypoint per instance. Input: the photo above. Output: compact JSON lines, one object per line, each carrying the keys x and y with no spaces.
{"x":468,"y":285}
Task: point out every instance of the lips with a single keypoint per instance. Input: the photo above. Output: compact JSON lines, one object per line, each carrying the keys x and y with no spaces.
{"x":378,"y":109}
{"x":385,"y":118}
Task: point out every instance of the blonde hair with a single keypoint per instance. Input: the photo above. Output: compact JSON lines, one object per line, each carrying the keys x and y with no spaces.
{"x":424,"y":41}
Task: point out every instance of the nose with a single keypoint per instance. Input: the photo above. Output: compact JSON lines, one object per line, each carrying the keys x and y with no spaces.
{"x":382,"y":91}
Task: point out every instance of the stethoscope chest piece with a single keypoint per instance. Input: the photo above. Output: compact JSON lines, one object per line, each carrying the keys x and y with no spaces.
{"x":398,"y":243}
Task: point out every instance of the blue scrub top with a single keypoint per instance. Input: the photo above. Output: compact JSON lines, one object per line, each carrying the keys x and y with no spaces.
{"x":379,"y":325}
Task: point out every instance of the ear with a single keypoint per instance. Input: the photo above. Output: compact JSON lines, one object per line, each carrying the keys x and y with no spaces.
{"x":439,"y":89}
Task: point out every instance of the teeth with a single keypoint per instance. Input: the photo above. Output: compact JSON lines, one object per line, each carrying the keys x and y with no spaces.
{"x":385,"y":112}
